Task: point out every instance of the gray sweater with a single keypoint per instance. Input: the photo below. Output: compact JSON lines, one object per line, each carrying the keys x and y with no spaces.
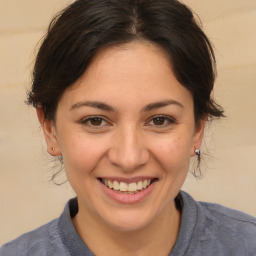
{"x":206,"y":229}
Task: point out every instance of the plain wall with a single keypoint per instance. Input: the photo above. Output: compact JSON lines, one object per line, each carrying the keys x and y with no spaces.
{"x":29,"y":200}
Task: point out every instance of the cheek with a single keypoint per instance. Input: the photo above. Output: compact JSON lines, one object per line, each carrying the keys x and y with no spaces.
{"x":173,"y":153}
{"x":81,"y":154}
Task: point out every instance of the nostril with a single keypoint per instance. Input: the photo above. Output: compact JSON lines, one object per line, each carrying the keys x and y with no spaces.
{"x":128,"y":160}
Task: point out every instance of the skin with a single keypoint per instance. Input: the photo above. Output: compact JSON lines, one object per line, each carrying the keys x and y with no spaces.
{"x":128,"y":142}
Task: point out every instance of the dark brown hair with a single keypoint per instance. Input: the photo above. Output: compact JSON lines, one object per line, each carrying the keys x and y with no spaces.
{"x":78,"y":32}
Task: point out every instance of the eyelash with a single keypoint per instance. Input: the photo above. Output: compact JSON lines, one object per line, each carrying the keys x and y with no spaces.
{"x":87,"y":121}
{"x":167,"y":121}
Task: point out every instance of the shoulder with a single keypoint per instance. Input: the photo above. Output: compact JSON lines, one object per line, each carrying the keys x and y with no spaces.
{"x":234,"y":220}
{"x":229,"y":227}
{"x":222,"y":215}
{"x":228,"y":216}
{"x":44,"y":240}
{"x":220,"y":229}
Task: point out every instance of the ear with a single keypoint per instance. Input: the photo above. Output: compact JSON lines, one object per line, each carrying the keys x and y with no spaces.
{"x":49,"y":133}
{"x":198,"y":135}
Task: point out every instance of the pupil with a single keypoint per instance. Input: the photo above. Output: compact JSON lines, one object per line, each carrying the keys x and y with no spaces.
{"x":158,"y":121}
{"x":96,"y":121}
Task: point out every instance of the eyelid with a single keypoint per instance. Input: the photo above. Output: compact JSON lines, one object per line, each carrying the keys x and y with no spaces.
{"x":171,"y":121}
{"x":86,"y":119}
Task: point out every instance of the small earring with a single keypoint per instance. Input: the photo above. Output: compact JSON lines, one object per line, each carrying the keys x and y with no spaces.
{"x":53,"y":149}
{"x":197,"y":151}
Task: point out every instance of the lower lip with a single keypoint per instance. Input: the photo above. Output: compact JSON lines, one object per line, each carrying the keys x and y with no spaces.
{"x":128,"y":198}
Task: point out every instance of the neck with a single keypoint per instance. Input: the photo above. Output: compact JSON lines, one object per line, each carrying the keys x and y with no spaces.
{"x":157,"y":238}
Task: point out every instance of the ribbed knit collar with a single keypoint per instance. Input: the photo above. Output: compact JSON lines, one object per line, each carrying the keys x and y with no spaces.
{"x":68,"y":234}
{"x":77,"y":247}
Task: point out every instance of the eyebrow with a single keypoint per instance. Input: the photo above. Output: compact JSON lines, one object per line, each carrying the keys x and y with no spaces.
{"x":106,"y":107}
{"x":93,"y":104}
{"x":161,"y":104}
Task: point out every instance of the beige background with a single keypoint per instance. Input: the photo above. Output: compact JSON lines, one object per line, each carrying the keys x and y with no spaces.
{"x":28,"y":200}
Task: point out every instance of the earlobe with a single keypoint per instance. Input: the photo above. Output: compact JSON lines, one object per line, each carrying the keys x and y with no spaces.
{"x":198,"y":137}
{"x":49,"y":133}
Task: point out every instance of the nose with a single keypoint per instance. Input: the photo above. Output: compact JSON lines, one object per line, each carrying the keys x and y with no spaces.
{"x":128,"y":150}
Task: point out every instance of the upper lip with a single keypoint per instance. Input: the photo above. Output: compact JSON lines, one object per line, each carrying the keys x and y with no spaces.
{"x":128,"y":180}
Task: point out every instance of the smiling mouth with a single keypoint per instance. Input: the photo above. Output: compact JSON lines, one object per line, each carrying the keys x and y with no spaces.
{"x":127,"y":188}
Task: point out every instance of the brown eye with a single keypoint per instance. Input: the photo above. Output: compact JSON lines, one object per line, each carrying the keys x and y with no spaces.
{"x":96,"y":124}
{"x":96,"y":121}
{"x":159,"y":120}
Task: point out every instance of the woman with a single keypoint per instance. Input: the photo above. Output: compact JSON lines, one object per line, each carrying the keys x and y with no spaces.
{"x":122,"y":89}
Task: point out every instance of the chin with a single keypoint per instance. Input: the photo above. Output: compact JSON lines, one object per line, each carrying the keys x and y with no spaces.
{"x":128,"y":220}
{"x":130,"y":226}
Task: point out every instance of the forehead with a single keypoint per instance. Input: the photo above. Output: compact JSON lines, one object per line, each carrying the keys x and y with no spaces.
{"x":130,"y":59}
{"x":129,"y":71}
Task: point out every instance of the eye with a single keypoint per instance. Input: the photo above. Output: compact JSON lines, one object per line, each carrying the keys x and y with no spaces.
{"x":94,"y":121}
{"x":161,"y":121}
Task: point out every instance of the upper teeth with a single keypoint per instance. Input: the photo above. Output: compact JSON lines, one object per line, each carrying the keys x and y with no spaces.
{"x":125,"y":187}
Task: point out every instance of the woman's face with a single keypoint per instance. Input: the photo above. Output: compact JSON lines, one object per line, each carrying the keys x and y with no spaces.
{"x":126,"y":123}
